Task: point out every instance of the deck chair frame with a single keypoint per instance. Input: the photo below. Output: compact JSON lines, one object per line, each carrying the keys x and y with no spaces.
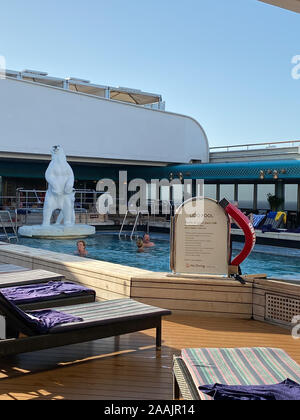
{"x":38,"y":277}
{"x":114,"y":326}
{"x":115,"y":329}
{"x":274,"y":366}
{"x":183,"y":384}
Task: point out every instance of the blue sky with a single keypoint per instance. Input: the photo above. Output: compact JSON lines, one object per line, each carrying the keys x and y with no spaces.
{"x":226,"y":63}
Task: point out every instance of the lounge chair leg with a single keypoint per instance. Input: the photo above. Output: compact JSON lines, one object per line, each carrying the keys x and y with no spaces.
{"x":176,"y":389}
{"x":158,"y":337}
{"x":117,"y":341}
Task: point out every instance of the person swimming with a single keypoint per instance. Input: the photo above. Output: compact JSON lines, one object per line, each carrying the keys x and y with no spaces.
{"x":81,"y":249}
{"x":147,"y":242}
{"x":140,"y":245}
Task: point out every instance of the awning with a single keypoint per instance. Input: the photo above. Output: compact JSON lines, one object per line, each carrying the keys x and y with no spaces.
{"x":293,"y":5}
{"x":123,"y":94}
{"x":264,"y":171}
{"x":14,"y":169}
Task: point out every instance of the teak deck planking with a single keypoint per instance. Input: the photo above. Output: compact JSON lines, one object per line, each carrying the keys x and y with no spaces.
{"x":129,"y":367}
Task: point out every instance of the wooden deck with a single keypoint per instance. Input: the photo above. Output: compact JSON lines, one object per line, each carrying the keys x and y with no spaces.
{"x":131,"y":369}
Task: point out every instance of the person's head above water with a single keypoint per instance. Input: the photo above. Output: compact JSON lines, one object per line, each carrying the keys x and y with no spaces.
{"x":147,"y":241}
{"x":81,"y":246}
{"x":140,"y":243}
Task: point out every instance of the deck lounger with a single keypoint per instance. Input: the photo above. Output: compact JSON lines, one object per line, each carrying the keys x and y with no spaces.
{"x":270,"y":221}
{"x":28,"y":277}
{"x":48,"y":295}
{"x":241,"y":366}
{"x":271,"y":224}
{"x":97,"y":320}
{"x":278,"y":223}
{"x":38,"y":277}
{"x":258,"y":220}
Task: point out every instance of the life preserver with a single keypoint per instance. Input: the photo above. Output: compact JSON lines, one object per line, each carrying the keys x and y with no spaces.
{"x":245,"y":225}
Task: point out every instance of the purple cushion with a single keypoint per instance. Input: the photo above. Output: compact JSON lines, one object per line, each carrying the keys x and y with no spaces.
{"x":44,"y":291}
{"x":38,"y":322}
{"x":47,"y":319}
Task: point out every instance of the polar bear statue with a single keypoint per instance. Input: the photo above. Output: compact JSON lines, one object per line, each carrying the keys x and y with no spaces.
{"x":60,"y":194}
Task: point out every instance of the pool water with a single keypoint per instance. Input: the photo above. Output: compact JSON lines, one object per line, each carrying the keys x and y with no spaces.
{"x":274,"y":261}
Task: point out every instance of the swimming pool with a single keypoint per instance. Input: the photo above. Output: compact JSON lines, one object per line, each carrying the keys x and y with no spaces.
{"x":274,"y":261}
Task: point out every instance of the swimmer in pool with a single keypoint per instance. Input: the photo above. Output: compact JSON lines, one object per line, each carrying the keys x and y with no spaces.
{"x":147,"y":242}
{"x":140,"y":245}
{"x":81,"y":249}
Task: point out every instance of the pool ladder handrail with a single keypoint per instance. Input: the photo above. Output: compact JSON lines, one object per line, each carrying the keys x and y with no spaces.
{"x":139,"y":213}
{"x":11,"y":225}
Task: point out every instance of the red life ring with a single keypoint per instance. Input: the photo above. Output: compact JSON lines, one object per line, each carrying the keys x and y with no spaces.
{"x":248,"y":229}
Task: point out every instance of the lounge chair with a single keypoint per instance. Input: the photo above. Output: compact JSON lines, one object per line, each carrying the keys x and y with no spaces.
{"x":22,"y":278}
{"x":37,"y":289}
{"x":48,"y":295}
{"x":90,"y":322}
{"x":271,"y":224}
{"x":241,"y":366}
{"x":258,"y":220}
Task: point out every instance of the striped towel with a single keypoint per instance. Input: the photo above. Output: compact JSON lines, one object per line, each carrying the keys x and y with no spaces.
{"x":243,"y":366}
{"x":257,"y":219}
{"x":279,"y":214}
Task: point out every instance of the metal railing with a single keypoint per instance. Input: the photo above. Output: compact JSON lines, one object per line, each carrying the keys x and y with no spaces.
{"x":27,"y":207}
{"x":156,"y":209}
{"x":138,"y":217}
{"x":8,"y":224}
{"x":8,"y":202}
{"x":28,"y":216}
{"x":268,"y":145}
{"x":28,"y":199}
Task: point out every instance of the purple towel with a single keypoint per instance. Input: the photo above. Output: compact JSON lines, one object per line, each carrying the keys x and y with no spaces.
{"x":42,"y":292}
{"x":40,"y":321}
{"x":46,"y":319}
{"x":287,"y":390}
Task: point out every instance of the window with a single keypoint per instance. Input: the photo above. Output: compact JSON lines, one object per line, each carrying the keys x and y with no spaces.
{"x":165,"y":193}
{"x":227,"y":191}
{"x":291,"y":197}
{"x":246,"y":196}
{"x":178,"y":194}
{"x":210,"y":191}
{"x":152,"y":192}
{"x":262,"y":195}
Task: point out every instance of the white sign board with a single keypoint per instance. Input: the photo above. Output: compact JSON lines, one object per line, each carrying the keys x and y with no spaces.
{"x":200,"y":241}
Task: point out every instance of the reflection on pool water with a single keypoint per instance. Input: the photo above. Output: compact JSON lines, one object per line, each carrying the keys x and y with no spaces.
{"x":274,"y":261}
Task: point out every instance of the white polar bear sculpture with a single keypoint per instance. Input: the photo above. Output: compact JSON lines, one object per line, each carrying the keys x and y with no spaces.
{"x":60,"y":194}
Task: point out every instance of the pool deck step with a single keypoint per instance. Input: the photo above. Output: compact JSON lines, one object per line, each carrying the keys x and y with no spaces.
{"x":23,"y":278}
